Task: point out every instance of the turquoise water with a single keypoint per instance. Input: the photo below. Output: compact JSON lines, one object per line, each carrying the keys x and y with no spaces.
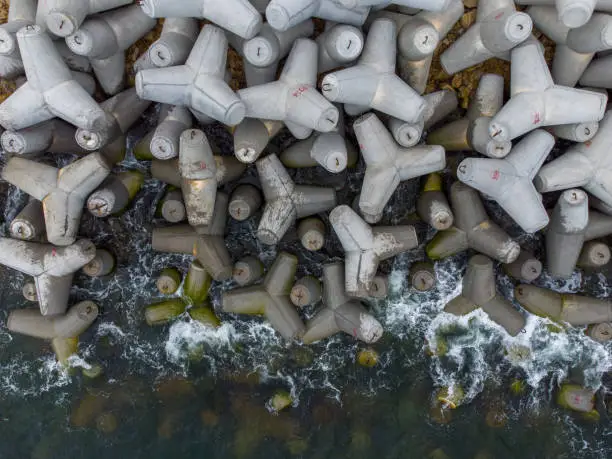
{"x":187,"y":391}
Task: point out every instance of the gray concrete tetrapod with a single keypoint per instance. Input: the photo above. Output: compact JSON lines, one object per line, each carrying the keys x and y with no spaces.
{"x":602,"y":333}
{"x":498,"y":29}
{"x":293,"y":98}
{"x":271,"y":298}
{"x":29,"y":223}
{"x":102,"y":265}
{"x":62,"y":191}
{"x":568,"y":64}
{"x":282,"y":14}
{"x":53,"y":136}
{"x":252,"y":136}
{"x":237,"y":16}
{"x":174,"y":44}
{"x":479,"y":292}
{"x":228,"y":169}
{"x":50,"y":91}
{"x":166,"y":137}
{"x":430,"y":5}
{"x":29,"y":292}
{"x":340,"y":313}
{"x":51,"y":267}
{"x":245,"y":201}
{"x":311,"y":232}
{"x":20,"y":14}
{"x":566,"y":232}
{"x":286,"y":201}
{"x":509,"y":181}
{"x":199,"y":84}
{"x":198,"y":177}
{"x":536,"y":101}
{"x":64,"y":17}
{"x":248,"y":270}
{"x":438,"y":106}
{"x":418,"y":37}
{"x":115,"y":193}
{"x":572,"y":13}
{"x":373,"y":82}
{"x":365,"y":247}
{"x":306,"y":290}
{"x":339,"y":46}
{"x":587,"y":165}
{"x":432,"y":205}
{"x":423,"y":276}
{"x":264,"y":51}
{"x":600,"y":225}
{"x":206,"y":243}
{"x":70,"y":325}
{"x":104,"y":38}
{"x":593,"y":256}
{"x":526,"y":268}
{"x":123,"y":109}
{"x":387,"y":164}
{"x":563,"y":307}
{"x":576,"y":132}
{"x":472,"y":131}
{"x":172,"y":206}
{"x":473,"y":229}
{"x":598,"y":73}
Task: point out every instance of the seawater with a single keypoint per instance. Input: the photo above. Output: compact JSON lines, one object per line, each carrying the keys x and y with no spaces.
{"x":184,"y":390}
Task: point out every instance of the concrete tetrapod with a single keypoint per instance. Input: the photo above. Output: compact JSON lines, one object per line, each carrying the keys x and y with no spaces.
{"x":526,"y":268}
{"x":62,"y":191}
{"x":568,"y":64}
{"x":199,"y":84}
{"x":339,"y":46}
{"x":173,"y":46}
{"x":237,"y":16}
{"x":593,"y":256}
{"x":294,"y":98}
{"x":50,"y":91}
{"x":286,"y":201}
{"x":282,"y":14}
{"x":166,"y":137}
{"x":252,"y":136}
{"x":172,"y":206}
{"x":566,"y":232}
{"x":423,"y":276}
{"x":70,"y":325}
{"x":472,"y":131}
{"x":20,"y":14}
{"x":498,"y":29}
{"x":115,"y":193}
{"x":340,"y":313}
{"x":306,"y":290}
{"x":418,"y":37}
{"x":598,"y":73}
{"x":479,"y":292}
{"x":245,"y":201}
{"x":572,"y":13}
{"x":248,"y":270}
{"x":102,"y":264}
{"x":205,"y":243}
{"x":372,"y":82}
{"x":365,"y":247}
{"x":264,"y":51}
{"x":473,"y":229}
{"x":29,"y":223}
{"x":438,"y":106}
{"x":311,"y":232}
{"x":271,"y":298}
{"x":432,"y":205}
{"x":536,"y":101}
{"x":104,"y":39}
{"x":387,"y":164}
{"x":563,"y":307}
{"x":53,"y":136}
{"x":509,"y":181}
{"x":123,"y":111}
{"x":587,"y":165}
{"x":198,"y":177}
{"x":52,"y":268}
{"x":228,"y":169}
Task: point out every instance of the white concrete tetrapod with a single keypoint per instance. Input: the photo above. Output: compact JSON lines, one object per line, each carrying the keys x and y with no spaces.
{"x":64,"y":17}
{"x":498,"y":29}
{"x":599,"y":73}
{"x":286,"y":201}
{"x":29,"y":223}
{"x":340,"y":313}
{"x":587,"y":165}
{"x":20,"y":14}
{"x":53,"y":136}
{"x":270,"y":299}
{"x":237,"y":16}
{"x":264,"y":51}
{"x":293,"y":98}
{"x":472,"y":230}
{"x":365,"y":247}
{"x":104,"y":39}
{"x":62,"y":191}
{"x":430,"y":5}
{"x":50,"y":91}
{"x":472,"y":131}
{"x":199,"y":84}
{"x":387,"y":164}
{"x":479,"y":291}
{"x":282,"y":14}
{"x":509,"y":181}
{"x":115,"y":193}
{"x":124,"y":109}
{"x":572,"y":13}
{"x":432,"y":206}
{"x":373,"y":82}
{"x":51,"y":267}
{"x":173,"y":46}
{"x":339,"y":46}
{"x":535,"y":101}
{"x":252,"y":136}
{"x":165,"y":140}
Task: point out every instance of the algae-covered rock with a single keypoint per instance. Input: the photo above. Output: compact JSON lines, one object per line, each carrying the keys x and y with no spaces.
{"x":451,"y":396}
{"x":279,"y":401}
{"x":440,"y":413}
{"x":576,"y":398}
{"x":518,"y":387}
{"x":93,"y":371}
{"x":367,"y":358}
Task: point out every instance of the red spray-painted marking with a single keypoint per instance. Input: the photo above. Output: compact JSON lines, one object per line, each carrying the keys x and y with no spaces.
{"x":202,"y":165}
{"x":495,"y":175}
{"x":499,"y":15}
{"x":536,"y":118}
{"x":299,"y":91}
{"x":53,"y":252}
